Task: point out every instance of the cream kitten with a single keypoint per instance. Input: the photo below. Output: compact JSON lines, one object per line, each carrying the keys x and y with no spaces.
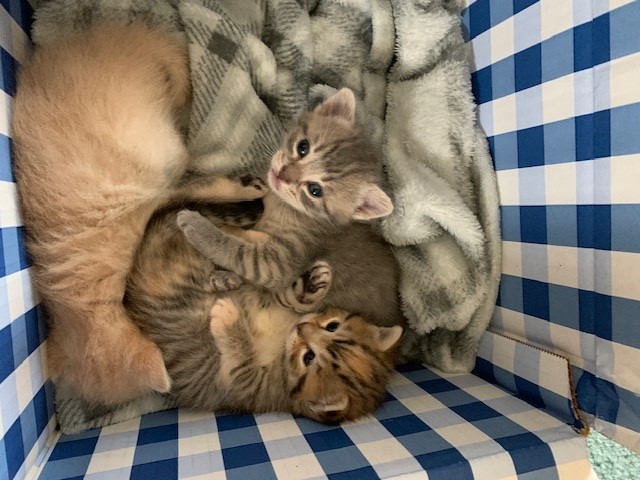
{"x":97,"y":151}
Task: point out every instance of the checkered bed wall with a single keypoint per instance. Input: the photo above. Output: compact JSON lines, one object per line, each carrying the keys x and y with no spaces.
{"x":558,"y":88}
{"x":26,"y":396}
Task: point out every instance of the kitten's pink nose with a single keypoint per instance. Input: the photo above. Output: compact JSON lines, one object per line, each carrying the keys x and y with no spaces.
{"x":289,"y":174}
{"x":300,"y":327}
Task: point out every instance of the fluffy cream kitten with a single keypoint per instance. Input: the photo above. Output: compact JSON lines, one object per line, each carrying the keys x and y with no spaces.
{"x":97,"y":151}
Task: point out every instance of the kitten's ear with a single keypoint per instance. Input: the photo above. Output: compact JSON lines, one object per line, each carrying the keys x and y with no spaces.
{"x":373,"y":203}
{"x":387,"y":337}
{"x":336,"y":403}
{"x":341,"y":104}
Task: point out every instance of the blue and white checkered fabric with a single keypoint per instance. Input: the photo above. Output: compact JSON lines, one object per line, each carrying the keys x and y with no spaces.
{"x":557,"y":82}
{"x":431,"y":427}
{"x":26,"y":397}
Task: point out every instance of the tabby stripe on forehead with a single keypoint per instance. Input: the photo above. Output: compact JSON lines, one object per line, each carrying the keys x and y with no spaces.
{"x":337,"y":170}
{"x":332,"y":351}
{"x":347,"y":381}
{"x":345,"y":342}
{"x":351,"y":315}
{"x":327,"y":149}
{"x":368,"y":350}
{"x":299,"y":385}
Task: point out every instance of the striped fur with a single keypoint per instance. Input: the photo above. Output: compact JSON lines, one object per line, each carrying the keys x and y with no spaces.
{"x":241,"y":351}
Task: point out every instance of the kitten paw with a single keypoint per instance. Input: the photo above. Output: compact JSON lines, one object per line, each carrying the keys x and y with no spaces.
{"x":319,"y":278}
{"x":222,"y":281}
{"x":224,"y":314}
{"x":255,"y":188}
{"x":188,"y":218}
{"x":199,"y":232}
{"x":308,"y":290}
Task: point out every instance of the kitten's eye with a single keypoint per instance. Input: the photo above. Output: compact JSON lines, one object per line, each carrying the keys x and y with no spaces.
{"x":314,"y":189}
{"x":308,"y":358}
{"x":303,"y":147}
{"x":332,"y":326}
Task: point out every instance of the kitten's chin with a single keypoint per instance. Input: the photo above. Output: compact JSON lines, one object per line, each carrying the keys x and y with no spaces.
{"x":276,"y":187}
{"x":273,"y":181}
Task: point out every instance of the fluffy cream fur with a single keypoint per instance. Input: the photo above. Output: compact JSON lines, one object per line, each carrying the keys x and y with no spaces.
{"x":97,"y":151}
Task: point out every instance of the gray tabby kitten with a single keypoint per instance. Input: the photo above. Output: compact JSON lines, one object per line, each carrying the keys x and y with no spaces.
{"x":326,"y":176}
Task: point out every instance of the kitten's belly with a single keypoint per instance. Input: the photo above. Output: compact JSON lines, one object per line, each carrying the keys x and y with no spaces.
{"x":271,"y":327}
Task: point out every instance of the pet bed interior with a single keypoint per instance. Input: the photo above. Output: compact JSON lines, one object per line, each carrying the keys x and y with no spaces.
{"x":556,"y":86}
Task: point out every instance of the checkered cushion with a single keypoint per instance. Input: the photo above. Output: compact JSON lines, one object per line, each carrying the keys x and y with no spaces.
{"x":451,"y":427}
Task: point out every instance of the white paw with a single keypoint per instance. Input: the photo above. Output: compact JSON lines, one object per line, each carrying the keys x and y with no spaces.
{"x":224,"y":314}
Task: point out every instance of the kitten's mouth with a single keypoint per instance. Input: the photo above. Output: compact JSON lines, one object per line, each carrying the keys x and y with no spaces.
{"x":274,"y":179}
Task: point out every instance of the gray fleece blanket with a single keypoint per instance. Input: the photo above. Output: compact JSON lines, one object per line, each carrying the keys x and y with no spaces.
{"x":257,"y":64}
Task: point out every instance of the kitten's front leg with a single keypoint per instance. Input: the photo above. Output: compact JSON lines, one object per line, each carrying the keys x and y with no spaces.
{"x":222,"y":280}
{"x":306,"y":293}
{"x":248,"y":253}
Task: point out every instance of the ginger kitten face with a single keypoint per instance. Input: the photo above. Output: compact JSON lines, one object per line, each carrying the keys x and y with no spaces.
{"x":327,"y":169}
{"x":339,"y":365}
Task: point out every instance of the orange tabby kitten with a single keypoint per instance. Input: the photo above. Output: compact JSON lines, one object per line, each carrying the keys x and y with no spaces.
{"x":97,"y":151}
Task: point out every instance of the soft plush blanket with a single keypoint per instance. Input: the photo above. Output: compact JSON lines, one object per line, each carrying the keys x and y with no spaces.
{"x":257,"y":64}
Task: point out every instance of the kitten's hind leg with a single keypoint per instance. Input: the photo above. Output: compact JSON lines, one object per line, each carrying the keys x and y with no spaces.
{"x":311,"y":288}
{"x":248,"y":253}
{"x":224,"y":314}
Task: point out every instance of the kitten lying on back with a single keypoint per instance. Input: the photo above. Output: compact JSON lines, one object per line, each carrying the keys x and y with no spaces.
{"x":326,"y":176}
{"x":245,"y":352}
{"x":97,"y":151}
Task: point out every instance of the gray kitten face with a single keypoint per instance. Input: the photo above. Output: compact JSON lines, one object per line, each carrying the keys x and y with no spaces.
{"x":327,"y":169}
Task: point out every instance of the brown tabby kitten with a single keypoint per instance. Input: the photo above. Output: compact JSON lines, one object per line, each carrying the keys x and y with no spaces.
{"x":245,"y":352}
{"x":97,"y":151}
{"x":333,"y":366}
{"x":326,"y":176}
